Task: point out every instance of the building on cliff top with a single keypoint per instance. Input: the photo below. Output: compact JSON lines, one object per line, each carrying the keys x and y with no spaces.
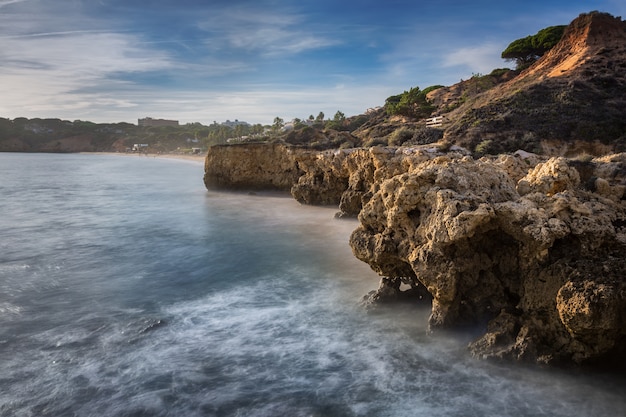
{"x":149,"y":121}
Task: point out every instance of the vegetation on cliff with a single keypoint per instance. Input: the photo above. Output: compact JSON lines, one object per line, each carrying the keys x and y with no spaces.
{"x":526,"y":51}
{"x":574,"y":94}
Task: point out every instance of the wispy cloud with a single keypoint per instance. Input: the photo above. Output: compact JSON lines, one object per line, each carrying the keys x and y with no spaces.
{"x":268,"y":34}
{"x":7,"y":2}
{"x":43,"y":72}
{"x":475,"y":59}
{"x":111,"y":60}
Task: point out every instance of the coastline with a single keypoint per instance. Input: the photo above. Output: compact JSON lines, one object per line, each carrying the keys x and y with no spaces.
{"x":531,"y":246}
{"x":191,"y":158}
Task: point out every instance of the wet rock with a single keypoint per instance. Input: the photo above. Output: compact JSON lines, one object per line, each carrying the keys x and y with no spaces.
{"x":390,"y":291}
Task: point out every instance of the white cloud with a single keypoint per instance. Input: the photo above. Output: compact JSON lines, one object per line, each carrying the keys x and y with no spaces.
{"x":252,"y":103}
{"x":261,"y":32}
{"x":49,"y":72}
{"x":476,"y":59}
{"x":7,"y":2}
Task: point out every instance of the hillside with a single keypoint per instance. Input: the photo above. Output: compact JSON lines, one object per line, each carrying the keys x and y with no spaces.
{"x":572,"y":100}
{"x":55,"y":135}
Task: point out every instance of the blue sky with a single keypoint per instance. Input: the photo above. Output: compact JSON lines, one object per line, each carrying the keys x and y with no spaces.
{"x":205,"y":61}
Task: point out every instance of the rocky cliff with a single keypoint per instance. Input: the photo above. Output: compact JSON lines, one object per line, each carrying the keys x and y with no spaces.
{"x":531,"y":248}
{"x":538,"y":258}
{"x":251,"y":166}
{"x":528,"y":249}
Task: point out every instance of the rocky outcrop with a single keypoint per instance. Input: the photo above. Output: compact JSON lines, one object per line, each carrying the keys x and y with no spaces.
{"x":539,"y":260}
{"x":346,"y":178}
{"x":251,"y":166}
{"x":531,"y":248}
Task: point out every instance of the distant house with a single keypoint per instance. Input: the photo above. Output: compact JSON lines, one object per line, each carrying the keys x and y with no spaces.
{"x":139,"y":146}
{"x":232,"y":125}
{"x":149,"y":121}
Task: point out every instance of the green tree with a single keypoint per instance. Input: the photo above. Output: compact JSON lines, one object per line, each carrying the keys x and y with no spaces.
{"x":320,"y":117}
{"x":338,"y":121}
{"x":525,"y":51}
{"x":278,"y":124}
{"x":412,"y":103}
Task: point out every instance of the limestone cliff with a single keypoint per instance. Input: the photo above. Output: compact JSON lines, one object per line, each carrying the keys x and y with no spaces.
{"x":346,"y":178}
{"x":540,"y":259}
{"x":251,"y":166}
{"x":531,"y":248}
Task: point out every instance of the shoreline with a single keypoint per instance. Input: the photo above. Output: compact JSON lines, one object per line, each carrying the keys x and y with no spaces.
{"x":191,"y":158}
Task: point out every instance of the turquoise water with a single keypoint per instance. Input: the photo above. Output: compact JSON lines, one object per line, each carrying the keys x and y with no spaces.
{"x":128,"y":289}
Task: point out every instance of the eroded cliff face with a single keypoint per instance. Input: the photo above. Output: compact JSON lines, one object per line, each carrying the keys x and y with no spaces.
{"x":251,"y":167}
{"x":346,"y":178}
{"x":540,"y":259}
{"x":528,"y":248}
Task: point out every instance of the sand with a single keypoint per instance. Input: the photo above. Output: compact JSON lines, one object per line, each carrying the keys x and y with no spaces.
{"x":195,"y":158}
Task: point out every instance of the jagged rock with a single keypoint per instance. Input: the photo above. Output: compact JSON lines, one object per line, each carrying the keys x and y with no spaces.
{"x":549,"y":178}
{"x":531,"y":247}
{"x":389,"y":291}
{"x":533,"y":266}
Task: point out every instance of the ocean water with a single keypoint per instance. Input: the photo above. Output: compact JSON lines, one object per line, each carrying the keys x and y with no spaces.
{"x":128,"y":289}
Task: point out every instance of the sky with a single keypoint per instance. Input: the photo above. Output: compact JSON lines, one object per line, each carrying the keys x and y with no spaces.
{"x":215,"y":60}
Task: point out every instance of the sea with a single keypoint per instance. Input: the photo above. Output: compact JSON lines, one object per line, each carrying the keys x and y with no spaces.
{"x":128,"y":289}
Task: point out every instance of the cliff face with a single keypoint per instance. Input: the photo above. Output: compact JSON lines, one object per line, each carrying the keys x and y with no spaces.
{"x":346,"y":178}
{"x":251,"y":166}
{"x":529,"y":247}
{"x":540,"y":259}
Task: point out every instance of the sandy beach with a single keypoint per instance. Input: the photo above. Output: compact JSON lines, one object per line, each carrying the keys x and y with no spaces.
{"x":195,"y":158}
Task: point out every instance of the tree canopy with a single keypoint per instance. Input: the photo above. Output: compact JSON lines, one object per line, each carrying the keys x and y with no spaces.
{"x":412,"y":103}
{"x":525,"y":51}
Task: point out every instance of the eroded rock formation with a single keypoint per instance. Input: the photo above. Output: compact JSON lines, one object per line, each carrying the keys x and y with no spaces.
{"x":251,"y":166}
{"x":540,"y":259}
{"x":531,"y":248}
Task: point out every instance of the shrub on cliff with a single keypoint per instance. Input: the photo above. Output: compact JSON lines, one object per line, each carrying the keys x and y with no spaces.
{"x":412,"y":103}
{"x":375,"y":142}
{"x":425,"y":136}
{"x":399,"y":136}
